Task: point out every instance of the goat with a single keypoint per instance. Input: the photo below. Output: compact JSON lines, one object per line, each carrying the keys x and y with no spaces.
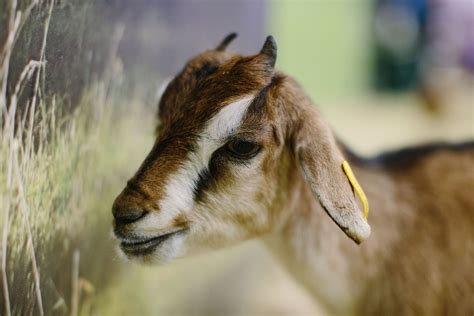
{"x":241,"y":152}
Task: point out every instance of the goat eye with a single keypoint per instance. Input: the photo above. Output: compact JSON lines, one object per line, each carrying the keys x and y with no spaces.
{"x":242,"y":149}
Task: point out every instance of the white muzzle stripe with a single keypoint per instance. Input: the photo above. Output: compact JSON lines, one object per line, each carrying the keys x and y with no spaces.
{"x":179,"y":190}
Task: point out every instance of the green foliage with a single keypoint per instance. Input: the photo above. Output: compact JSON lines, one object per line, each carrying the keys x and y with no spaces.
{"x":332,"y":42}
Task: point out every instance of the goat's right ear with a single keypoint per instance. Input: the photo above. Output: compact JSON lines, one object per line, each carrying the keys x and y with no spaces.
{"x":321,"y":161}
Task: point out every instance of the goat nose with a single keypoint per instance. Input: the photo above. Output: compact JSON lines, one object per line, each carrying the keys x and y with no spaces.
{"x":127,"y":215}
{"x":128,"y":207}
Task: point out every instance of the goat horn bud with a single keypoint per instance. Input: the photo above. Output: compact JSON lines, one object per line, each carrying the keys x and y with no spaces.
{"x":269,"y":49}
{"x":226,"y":41}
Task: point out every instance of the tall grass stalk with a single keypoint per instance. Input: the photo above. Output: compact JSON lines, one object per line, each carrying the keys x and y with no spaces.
{"x":26,"y":217}
{"x":32,"y":104}
{"x":75,"y":289}
{"x":49,"y":163}
{"x":43,"y":195}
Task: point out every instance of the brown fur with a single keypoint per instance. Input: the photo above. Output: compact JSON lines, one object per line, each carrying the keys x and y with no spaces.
{"x":418,"y":259}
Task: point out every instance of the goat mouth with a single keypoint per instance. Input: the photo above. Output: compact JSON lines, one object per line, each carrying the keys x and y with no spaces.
{"x":145,"y":246}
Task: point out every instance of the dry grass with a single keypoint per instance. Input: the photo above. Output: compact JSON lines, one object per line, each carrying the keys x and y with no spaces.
{"x":39,"y":171}
{"x":49,"y":162}
{"x":56,"y":200}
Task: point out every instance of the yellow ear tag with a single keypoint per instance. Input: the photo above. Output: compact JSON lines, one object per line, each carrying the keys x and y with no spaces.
{"x":357,"y":187}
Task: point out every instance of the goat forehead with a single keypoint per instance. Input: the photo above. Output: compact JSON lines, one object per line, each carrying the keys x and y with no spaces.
{"x":189,"y":145}
{"x":212,"y":120}
{"x":213,"y":133}
{"x":182,"y":184}
{"x":228,"y":119}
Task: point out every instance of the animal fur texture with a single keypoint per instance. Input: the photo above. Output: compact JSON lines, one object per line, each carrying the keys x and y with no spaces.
{"x":241,"y":152}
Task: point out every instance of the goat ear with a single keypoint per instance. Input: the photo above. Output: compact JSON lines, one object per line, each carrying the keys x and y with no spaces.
{"x":269,"y":50}
{"x":226,"y":41}
{"x":321,"y":162}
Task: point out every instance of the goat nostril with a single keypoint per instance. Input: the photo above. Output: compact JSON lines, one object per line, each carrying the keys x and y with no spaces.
{"x":127,"y":216}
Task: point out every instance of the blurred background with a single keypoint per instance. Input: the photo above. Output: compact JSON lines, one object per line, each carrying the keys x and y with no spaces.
{"x":79,"y":83}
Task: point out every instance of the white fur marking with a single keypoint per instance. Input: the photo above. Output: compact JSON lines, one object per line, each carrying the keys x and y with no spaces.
{"x":179,"y":191}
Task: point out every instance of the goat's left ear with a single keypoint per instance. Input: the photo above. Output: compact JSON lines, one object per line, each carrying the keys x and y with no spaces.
{"x":269,"y":51}
{"x":226,"y":41}
{"x":321,"y":161}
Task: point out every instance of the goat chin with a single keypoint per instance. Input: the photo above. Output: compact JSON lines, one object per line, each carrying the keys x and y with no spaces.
{"x":165,"y":252}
